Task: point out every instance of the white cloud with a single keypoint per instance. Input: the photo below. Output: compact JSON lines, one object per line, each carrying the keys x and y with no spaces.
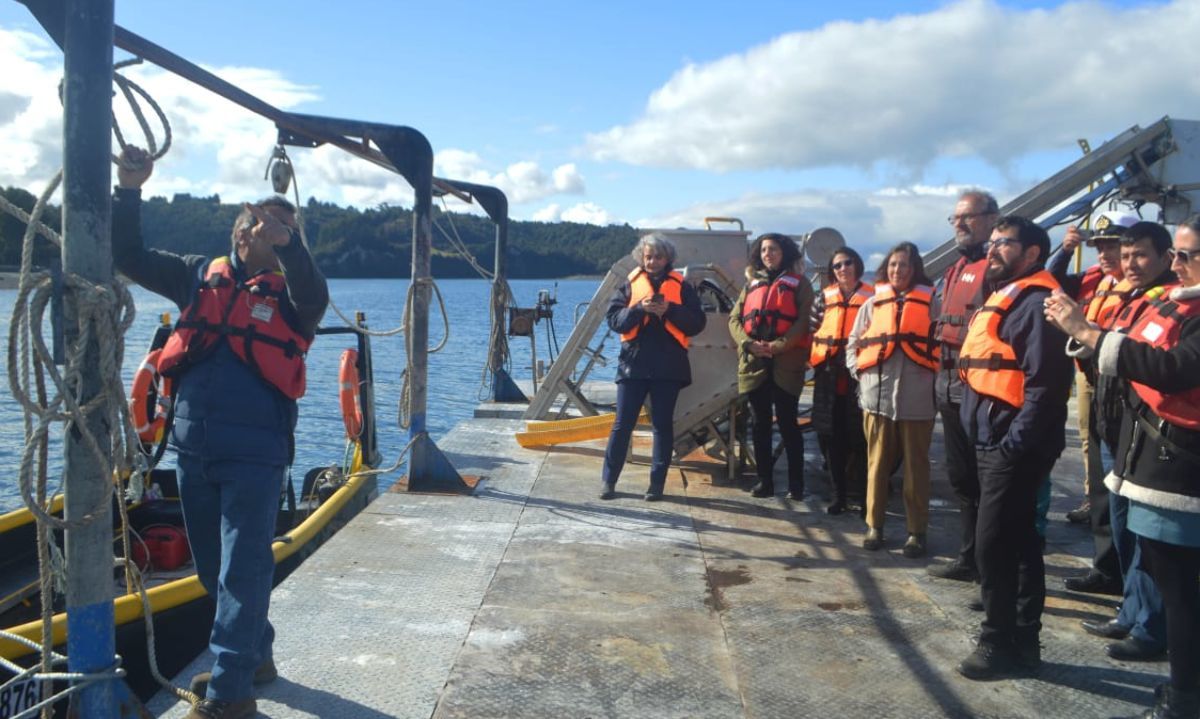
{"x":971,"y":78}
{"x":522,"y":182}
{"x":584,"y":212}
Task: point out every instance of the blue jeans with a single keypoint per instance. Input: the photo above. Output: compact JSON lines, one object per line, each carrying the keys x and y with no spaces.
{"x":230,"y":509}
{"x":631,"y":395}
{"x":1141,"y":604}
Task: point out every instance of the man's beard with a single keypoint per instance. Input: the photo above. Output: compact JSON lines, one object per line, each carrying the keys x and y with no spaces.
{"x":1003,"y":273}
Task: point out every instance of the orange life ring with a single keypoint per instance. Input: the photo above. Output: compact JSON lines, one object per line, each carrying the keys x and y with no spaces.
{"x":348,"y":381}
{"x":149,"y":399}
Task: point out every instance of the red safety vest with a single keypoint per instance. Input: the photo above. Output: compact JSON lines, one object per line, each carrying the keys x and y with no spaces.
{"x":840,"y":314}
{"x":987,"y":364}
{"x":962,"y":294}
{"x":769,"y":309}
{"x":1159,"y":326}
{"x":911,"y":328}
{"x":672,"y":291}
{"x":248,"y":315}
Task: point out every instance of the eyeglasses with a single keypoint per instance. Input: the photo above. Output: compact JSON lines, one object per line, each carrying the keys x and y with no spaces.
{"x":955,"y":219}
{"x":1184,"y":256}
{"x":844,"y":263}
{"x":998,"y":242}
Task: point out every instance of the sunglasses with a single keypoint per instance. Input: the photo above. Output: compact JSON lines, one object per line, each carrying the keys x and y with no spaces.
{"x":844,"y":263}
{"x":1185,"y":256}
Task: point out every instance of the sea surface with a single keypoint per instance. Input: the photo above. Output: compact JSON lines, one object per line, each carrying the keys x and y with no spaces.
{"x":455,"y":372}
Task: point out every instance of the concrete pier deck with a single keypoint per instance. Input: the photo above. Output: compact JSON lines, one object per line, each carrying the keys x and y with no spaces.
{"x":533,"y":598}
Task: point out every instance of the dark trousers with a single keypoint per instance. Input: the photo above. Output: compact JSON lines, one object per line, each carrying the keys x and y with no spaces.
{"x":1176,"y":571}
{"x":846,"y":452}
{"x":1008,"y":549}
{"x":964,"y":478}
{"x":631,"y":395}
{"x":1141,"y":604}
{"x":1104,"y":558}
{"x":769,"y":400}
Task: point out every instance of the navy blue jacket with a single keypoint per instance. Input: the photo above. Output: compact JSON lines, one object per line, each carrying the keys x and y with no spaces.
{"x":1038,"y":427}
{"x":654,"y":354}
{"x":223,"y":409}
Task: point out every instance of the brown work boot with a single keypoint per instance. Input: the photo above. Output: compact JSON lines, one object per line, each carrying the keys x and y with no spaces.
{"x":264,"y":674}
{"x":217,"y":709}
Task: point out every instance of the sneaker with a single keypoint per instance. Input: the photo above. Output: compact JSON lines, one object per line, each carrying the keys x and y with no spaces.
{"x":217,"y":709}
{"x":653,"y":495}
{"x":609,"y":491}
{"x":989,"y":662}
{"x":1081,"y":514}
{"x":915,"y":546}
{"x":958,"y":571}
{"x":873,"y":539}
{"x":264,"y":674}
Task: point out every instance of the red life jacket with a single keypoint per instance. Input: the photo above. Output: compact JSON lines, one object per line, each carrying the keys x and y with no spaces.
{"x":987,"y":364}
{"x":1159,"y":326}
{"x":839,"y":318}
{"x":248,"y":314}
{"x":769,"y":309}
{"x":962,"y":294}
{"x":640,"y":288}
{"x":1088,"y":283}
{"x":911,"y":328}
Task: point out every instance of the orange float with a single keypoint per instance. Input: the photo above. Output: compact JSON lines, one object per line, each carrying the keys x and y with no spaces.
{"x":348,"y":382}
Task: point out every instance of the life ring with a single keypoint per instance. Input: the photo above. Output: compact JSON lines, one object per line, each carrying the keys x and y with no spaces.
{"x":149,"y":399}
{"x":348,"y":381}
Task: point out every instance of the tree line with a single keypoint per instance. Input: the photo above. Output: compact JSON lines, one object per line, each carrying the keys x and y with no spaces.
{"x":349,"y":242}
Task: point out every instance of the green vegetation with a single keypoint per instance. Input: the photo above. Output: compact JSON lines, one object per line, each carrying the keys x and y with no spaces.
{"x":348,"y":242}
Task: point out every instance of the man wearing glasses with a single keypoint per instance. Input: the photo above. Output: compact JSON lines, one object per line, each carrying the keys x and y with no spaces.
{"x":1015,"y":405}
{"x":959,"y":294}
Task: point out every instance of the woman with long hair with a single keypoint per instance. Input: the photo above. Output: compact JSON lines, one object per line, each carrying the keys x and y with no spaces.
{"x":770,"y":324}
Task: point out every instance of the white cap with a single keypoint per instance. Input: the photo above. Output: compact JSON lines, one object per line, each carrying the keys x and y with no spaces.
{"x":1112,"y":224}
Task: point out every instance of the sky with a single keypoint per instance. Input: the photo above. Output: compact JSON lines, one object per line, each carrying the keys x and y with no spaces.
{"x":866,"y":116}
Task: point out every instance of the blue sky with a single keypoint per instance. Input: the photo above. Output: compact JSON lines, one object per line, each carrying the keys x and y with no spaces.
{"x":867,"y":116}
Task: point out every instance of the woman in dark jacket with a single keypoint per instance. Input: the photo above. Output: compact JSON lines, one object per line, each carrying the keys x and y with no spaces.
{"x":836,"y":416}
{"x":1158,"y":457}
{"x":655,"y":312}
{"x":770,"y":325}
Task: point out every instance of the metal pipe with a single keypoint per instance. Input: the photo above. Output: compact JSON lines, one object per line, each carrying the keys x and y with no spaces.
{"x":87,"y":252}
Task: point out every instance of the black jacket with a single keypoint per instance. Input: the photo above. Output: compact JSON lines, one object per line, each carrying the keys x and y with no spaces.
{"x":1038,"y":427}
{"x":654,"y":353}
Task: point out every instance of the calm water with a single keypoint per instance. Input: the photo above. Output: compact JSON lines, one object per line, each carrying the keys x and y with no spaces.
{"x":454,"y":372}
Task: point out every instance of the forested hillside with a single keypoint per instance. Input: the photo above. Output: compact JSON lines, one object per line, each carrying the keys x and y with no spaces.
{"x":349,"y":242}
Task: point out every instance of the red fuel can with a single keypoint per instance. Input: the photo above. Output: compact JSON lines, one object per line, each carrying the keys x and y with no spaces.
{"x":168,"y":547}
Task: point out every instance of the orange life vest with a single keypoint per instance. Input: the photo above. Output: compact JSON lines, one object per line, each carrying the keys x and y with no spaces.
{"x":672,"y":291}
{"x":1159,"y":326}
{"x":987,"y":364}
{"x":840,"y":314}
{"x":769,"y":309}
{"x":1108,"y":297}
{"x":248,"y":315}
{"x":900,"y":320}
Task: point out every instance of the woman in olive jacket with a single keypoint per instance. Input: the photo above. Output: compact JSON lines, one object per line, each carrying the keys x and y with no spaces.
{"x":770,"y":324}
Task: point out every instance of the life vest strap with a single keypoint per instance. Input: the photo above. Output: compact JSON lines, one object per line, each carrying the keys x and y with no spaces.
{"x":993,"y":362}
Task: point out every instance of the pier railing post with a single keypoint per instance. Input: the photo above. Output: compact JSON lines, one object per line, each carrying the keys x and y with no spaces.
{"x":87,"y":253}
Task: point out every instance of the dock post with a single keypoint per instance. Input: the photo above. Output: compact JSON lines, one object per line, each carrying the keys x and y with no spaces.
{"x":87,"y":252}
{"x":428,"y":468}
{"x":503,"y":387}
